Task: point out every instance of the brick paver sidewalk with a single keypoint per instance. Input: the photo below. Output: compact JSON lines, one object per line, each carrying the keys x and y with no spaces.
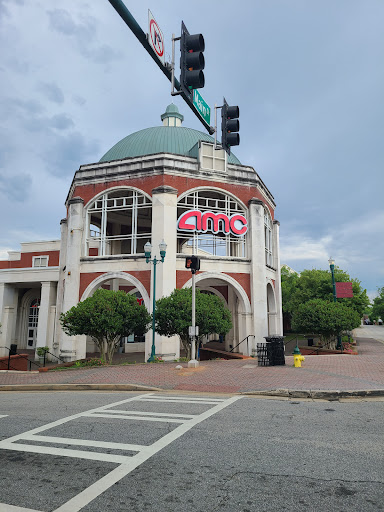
{"x":335,"y":372}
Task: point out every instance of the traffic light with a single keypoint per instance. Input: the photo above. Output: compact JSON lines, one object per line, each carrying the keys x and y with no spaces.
{"x":230,"y":126}
{"x":192,"y":61}
{"x":192,"y":263}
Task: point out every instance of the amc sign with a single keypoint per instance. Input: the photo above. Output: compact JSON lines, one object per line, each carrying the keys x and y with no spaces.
{"x":203,"y":222}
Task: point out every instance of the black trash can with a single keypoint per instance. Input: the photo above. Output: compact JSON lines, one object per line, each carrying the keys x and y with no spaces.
{"x":263,"y":355}
{"x":310,"y":342}
{"x":13,"y":350}
{"x":275,"y":349}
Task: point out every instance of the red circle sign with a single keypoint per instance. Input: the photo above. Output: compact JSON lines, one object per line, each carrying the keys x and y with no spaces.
{"x":156,"y":37}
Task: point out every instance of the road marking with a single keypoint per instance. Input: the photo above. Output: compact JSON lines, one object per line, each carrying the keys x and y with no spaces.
{"x":126,"y":463}
{"x":11,"y":508}
{"x":3,"y":415}
{"x":145,"y":413}
{"x":93,"y":491}
{"x":140,"y":418}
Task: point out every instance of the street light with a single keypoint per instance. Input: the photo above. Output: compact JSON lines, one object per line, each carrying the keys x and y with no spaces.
{"x":147,"y":253}
{"x":331,"y":262}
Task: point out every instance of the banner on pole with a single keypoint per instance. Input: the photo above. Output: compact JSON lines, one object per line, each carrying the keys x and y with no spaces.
{"x":344,"y":290}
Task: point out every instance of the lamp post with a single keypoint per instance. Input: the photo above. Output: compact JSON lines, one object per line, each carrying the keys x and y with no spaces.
{"x":331,"y":262}
{"x":155,"y":261}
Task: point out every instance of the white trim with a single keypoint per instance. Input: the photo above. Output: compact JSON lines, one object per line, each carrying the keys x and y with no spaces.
{"x":92,"y":287}
{"x":114,"y":189}
{"x":34,"y":258}
{"x":228,"y":279}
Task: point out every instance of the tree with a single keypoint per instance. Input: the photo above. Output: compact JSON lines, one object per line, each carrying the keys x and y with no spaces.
{"x":377,"y":310}
{"x":106,"y":316}
{"x":317,"y":284}
{"x":329,"y":319}
{"x":174,"y":315}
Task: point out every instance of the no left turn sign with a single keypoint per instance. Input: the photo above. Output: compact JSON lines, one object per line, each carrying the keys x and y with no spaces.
{"x":155,"y":37}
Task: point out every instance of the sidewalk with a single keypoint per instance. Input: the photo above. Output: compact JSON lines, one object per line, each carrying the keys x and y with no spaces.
{"x":342,"y":374}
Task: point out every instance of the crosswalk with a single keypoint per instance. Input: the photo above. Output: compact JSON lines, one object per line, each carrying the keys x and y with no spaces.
{"x":139,"y":408}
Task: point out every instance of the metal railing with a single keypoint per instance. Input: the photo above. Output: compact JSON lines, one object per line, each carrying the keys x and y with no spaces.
{"x":31,"y":362}
{"x":246,"y":338}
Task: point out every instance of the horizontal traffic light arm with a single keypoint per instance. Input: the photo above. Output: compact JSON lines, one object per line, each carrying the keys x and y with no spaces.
{"x":129,"y":20}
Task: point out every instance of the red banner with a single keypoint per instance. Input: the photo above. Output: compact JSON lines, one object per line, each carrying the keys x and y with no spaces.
{"x":344,"y":290}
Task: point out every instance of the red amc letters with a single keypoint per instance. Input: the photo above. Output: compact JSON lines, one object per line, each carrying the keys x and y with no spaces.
{"x":195,"y":220}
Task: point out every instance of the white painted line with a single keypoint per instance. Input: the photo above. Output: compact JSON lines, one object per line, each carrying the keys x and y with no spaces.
{"x":186,"y":398}
{"x":85,"y":442}
{"x":3,"y":416}
{"x":65,"y":452}
{"x":145,"y":413}
{"x":141,"y":418}
{"x":4,"y":507}
{"x":85,"y":497}
{"x":208,"y":402}
{"x":65,"y":420}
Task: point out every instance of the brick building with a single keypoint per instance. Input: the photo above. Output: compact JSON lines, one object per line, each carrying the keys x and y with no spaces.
{"x":162,"y":183}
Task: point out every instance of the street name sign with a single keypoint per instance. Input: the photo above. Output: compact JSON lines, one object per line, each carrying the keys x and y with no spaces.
{"x":202,"y":107}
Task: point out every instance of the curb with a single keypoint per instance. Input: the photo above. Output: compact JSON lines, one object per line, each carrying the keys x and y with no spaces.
{"x":319,"y":394}
{"x":76,"y":387}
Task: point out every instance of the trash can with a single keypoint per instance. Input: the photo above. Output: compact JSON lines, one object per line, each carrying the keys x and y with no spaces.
{"x":13,"y":350}
{"x":275,"y":349}
{"x":263,"y":356}
{"x":310,"y":342}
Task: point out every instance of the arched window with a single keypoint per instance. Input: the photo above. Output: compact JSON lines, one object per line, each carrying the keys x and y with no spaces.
{"x":119,"y":222}
{"x":268,"y":239}
{"x":216,"y":236}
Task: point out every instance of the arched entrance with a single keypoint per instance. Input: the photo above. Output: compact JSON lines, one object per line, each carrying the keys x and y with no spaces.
{"x":237,"y":302}
{"x":132,"y":344}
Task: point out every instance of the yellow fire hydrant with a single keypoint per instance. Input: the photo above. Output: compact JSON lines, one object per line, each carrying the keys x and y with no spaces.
{"x":297,"y":357}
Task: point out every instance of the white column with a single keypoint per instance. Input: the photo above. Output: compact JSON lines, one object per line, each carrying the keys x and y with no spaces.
{"x":48,"y":297}
{"x":276,"y":259}
{"x":256,"y":245}
{"x":59,"y":334}
{"x":68,"y":344}
{"x":164,"y":221}
{"x":8,"y":306}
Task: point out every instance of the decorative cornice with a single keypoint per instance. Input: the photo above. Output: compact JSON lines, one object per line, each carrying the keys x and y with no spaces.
{"x":276,"y":222}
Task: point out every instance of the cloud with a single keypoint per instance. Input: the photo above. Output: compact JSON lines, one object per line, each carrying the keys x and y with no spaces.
{"x":66,"y":152}
{"x":84,"y":35}
{"x":16,"y":187}
{"x":51,"y":92}
{"x":3,"y":8}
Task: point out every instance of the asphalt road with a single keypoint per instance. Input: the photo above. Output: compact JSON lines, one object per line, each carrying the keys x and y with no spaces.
{"x":371,"y":331}
{"x":171,"y":452}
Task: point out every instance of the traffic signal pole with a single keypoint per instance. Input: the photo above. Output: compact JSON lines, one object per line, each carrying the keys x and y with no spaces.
{"x":129,"y":20}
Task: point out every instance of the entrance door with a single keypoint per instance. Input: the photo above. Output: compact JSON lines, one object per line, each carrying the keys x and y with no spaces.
{"x":33,"y":319}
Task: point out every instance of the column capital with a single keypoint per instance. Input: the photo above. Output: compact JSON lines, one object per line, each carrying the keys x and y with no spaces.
{"x":76,"y":200}
{"x":276,"y":222}
{"x":255,"y":200}
{"x":164,"y":189}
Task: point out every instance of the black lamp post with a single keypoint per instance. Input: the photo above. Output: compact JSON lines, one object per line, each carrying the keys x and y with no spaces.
{"x":155,"y":261}
{"x":331,"y":262}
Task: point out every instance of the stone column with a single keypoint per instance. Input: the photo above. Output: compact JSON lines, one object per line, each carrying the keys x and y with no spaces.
{"x":59,"y":334}
{"x":256,"y":244}
{"x":276,"y":260}
{"x":164,"y":221}
{"x":68,"y":345}
{"x":48,"y":298}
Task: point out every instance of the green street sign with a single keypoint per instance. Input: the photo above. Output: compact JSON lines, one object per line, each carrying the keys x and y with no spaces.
{"x":203,"y":109}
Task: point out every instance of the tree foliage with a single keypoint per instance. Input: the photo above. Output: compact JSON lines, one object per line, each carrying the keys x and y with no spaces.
{"x":174,"y":315}
{"x":329,"y":319}
{"x":377,"y":310}
{"x":106,"y":316}
{"x":317,"y":284}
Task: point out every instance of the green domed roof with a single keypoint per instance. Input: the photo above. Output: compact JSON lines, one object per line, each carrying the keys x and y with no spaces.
{"x":161,"y":139}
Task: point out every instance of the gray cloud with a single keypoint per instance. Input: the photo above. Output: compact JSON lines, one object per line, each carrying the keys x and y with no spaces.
{"x":66,"y":153}
{"x":51,"y":92}
{"x":84,"y":35}
{"x":16,"y":187}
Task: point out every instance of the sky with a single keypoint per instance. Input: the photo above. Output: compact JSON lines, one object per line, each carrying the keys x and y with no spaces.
{"x":308,"y":77}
